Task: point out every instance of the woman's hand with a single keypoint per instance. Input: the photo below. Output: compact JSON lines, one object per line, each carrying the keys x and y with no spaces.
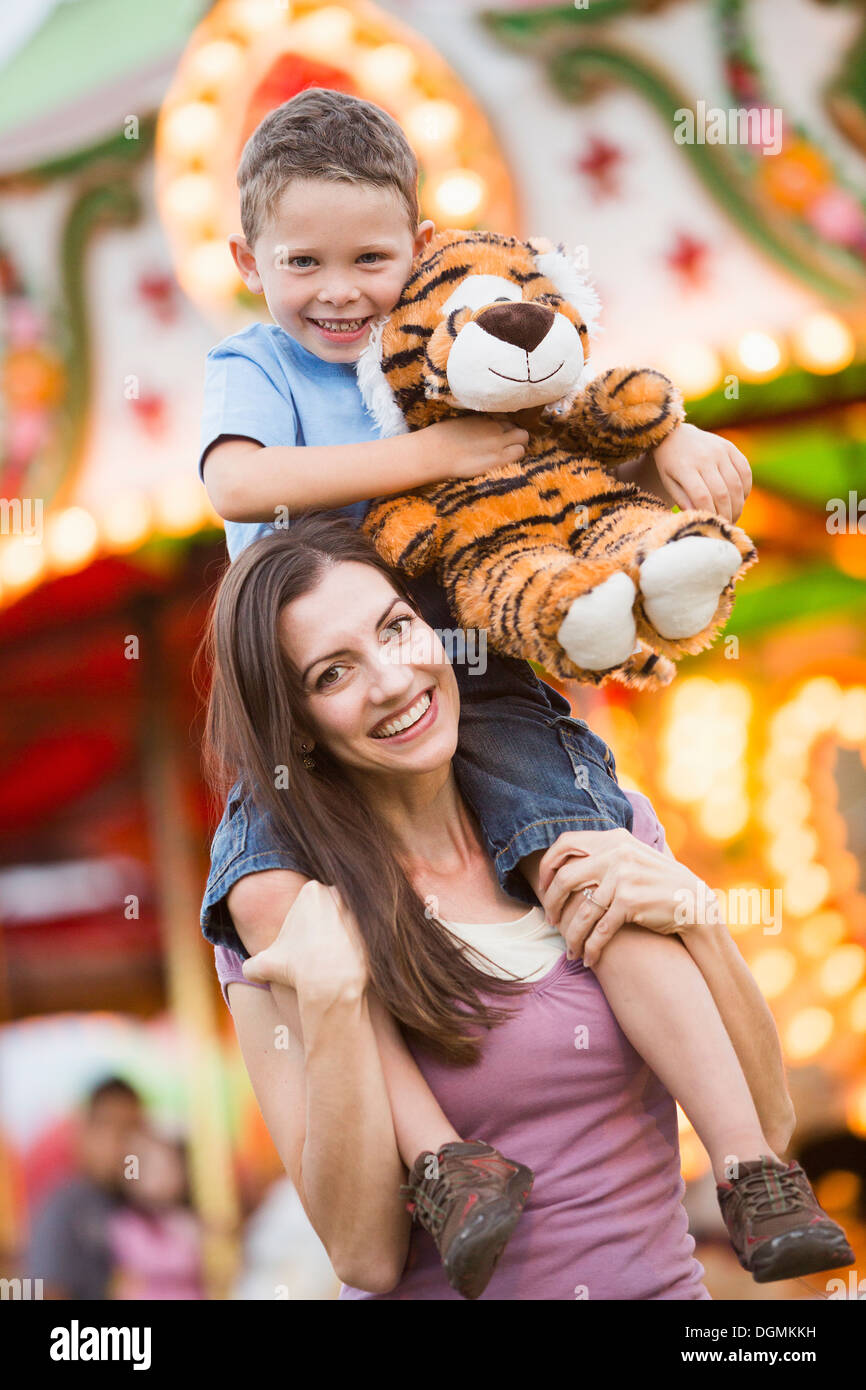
{"x":628,"y":881}
{"x":318,"y":951}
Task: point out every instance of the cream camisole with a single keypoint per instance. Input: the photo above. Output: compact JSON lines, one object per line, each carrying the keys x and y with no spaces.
{"x":528,"y":947}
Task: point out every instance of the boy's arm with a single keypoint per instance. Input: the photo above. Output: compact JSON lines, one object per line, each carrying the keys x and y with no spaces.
{"x":694,"y":469}
{"x":247,"y":481}
{"x":643,"y":472}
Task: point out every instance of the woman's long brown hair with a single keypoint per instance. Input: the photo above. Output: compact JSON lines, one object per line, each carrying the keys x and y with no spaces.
{"x":252,"y":731}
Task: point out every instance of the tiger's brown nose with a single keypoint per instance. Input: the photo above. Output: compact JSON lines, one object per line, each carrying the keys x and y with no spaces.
{"x":524,"y":325}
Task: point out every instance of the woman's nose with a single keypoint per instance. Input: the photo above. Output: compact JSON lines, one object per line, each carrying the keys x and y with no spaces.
{"x":391,"y":676}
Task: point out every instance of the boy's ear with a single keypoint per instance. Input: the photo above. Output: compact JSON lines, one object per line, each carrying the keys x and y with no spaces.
{"x":246,"y":263}
{"x":423,"y":235}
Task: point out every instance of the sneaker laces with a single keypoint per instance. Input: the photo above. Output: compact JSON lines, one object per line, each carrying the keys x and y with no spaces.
{"x":765,"y":1189}
{"x":432,"y":1196}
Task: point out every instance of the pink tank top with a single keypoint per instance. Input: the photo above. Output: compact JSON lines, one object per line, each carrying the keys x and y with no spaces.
{"x":559,"y":1087}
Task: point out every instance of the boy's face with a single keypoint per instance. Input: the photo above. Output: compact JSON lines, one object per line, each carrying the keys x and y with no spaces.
{"x":330,"y":260}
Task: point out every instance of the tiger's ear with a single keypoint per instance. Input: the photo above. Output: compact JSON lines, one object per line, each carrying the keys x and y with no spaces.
{"x":375,"y":390}
{"x":570,"y":279}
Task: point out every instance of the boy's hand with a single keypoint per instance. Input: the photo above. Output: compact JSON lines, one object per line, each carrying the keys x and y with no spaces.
{"x":704,"y":471}
{"x":471,"y":444}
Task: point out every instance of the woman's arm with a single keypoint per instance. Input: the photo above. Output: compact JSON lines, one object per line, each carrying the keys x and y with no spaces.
{"x":314,"y":1064}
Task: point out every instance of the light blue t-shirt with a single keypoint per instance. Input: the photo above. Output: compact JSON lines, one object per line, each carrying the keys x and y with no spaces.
{"x":261,"y":384}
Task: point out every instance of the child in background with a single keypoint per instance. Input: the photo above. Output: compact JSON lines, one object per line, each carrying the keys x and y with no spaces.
{"x":156,"y":1239}
{"x":330,"y":222}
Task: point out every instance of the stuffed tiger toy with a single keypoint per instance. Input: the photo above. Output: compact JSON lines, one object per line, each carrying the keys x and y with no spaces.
{"x":555,"y":557}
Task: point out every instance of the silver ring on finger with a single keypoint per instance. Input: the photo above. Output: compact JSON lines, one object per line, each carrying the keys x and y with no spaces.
{"x":587,"y":893}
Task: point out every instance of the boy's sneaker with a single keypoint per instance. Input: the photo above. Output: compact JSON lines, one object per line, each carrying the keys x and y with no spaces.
{"x":470,"y":1207}
{"x":775,"y":1223}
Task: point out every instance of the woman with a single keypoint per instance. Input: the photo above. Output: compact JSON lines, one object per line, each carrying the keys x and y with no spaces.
{"x":551,"y":1079}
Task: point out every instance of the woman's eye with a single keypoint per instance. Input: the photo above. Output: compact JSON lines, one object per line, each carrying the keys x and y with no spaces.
{"x":333,"y":672}
{"x":399,"y":625}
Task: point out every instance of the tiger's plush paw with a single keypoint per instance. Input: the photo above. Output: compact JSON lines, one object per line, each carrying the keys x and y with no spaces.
{"x":635,"y":403}
{"x":598,"y":631}
{"x":682,"y":582}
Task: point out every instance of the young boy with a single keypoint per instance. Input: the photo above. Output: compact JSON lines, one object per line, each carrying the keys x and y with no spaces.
{"x":330,"y":230}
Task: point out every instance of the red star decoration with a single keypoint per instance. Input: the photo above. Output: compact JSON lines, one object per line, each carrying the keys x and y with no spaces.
{"x":159,"y":292}
{"x":149,"y":410}
{"x":600,"y":165}
{"x":688,"y":258}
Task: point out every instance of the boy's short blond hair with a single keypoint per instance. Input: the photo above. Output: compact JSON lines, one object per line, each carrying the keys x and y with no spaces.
{"x":323,"y":134}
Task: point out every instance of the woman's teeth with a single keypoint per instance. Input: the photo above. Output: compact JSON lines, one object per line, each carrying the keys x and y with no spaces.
{"x":340,"y":325}
{"x":406,"y":720}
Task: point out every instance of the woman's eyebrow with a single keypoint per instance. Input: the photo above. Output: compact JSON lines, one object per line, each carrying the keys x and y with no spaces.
{"x":330,"y":656}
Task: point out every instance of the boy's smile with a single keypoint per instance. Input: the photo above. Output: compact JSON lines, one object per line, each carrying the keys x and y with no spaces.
{"x":331,"y":259}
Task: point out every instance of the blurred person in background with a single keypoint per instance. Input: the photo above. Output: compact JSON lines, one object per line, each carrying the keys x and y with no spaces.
{"x":70,"y":1245}
{"x":156,"y":1238}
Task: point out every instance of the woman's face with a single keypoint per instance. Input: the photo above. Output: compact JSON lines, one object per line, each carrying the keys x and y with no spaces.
{"x":380,"y":693}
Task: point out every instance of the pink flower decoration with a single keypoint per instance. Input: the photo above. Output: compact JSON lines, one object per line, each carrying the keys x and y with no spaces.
{"x":837,"y":216}
{"x":25,"y":323}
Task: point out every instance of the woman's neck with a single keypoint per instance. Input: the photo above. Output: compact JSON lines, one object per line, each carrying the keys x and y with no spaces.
{"x":438,"y":842}
{"x":432,"y":826}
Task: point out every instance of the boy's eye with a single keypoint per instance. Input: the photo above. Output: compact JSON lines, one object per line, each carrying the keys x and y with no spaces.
{"x":296,"y":260}
{"x":372,"y":255}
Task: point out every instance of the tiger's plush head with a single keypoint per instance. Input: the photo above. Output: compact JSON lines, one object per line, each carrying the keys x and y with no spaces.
{"x":485,"y":323}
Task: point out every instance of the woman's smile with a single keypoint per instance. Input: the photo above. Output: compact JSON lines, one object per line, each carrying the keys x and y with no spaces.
{"x":412,"y":720}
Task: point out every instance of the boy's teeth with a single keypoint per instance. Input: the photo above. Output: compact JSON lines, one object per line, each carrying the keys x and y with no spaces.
{"x":340,"y":325}
{"x":406,"y":721}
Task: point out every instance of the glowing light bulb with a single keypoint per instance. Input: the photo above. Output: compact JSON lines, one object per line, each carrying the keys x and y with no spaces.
{"x":824,"y":343}
{"x":457,"y":197}
{"x":191,"y":131}
{"x":842,"y":970}
{"x":724,"y":819}
{"x":326,"y":33}
{"x":806,"y":888}
{"x":821,"y":933}
{"x":248,"y":18}
{"x":759,"y":353}
{"x":208,"y":271}
{"x":179,"y":506}
{"x":190,"y":202}
{"x":433,"y":125}
{"x":126,"y":521}
{"x":808,"y":1033}
{"x":857,"y":1012}
{"x":694,"y":367}
{"x":213,"y":66}
{"x":387,"y":68}
{"x":851,"y":716}
{"x":21,"y":562}
{"x":70,"y":538}
{"x":774,"y":969}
